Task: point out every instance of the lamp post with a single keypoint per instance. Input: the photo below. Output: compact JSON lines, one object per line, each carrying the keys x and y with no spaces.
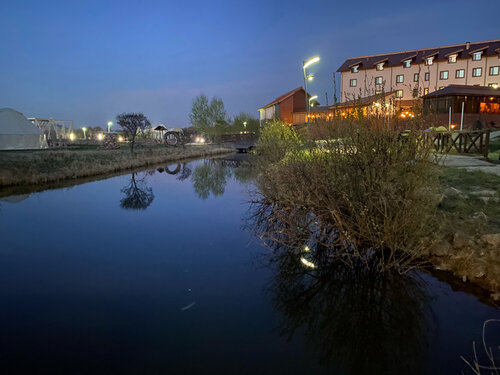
{"x":84,"y":130}
{"x":305,"y":65}
{"x":245,"y":125}
{"x":110,"y":124}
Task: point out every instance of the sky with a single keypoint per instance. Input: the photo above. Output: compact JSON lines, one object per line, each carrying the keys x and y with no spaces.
{"x":88,"y":61}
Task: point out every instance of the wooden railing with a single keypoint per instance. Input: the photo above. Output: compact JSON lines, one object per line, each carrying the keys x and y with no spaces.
{"x":463,"y":142}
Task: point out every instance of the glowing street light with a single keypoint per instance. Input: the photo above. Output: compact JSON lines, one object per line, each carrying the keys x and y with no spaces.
{"x":110,"y":124}
{"x":310,"y":77}
{"x":84,"y":130}
{"x":245,"y":124}
{"x":310,"y":61}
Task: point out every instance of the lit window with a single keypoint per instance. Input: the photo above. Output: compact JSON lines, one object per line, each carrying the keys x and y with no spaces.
{"x":407,"y":63}
{"x":378,"y":92}
{"x":493,"y":85}
{"x":477,"y":72}
{"x":452,"y":58}
{"x":443,"y":74}
{"x":427,"y":76}
{"x":353,"y":83}
{"x":460,"y":73}
{"x":415,"y":77}
{"x":426,"y":91}
{"x":400,"y":78}
{"x":378,"y":80}
{"x":380,"y":66}
{"x":355,"y":68}
{"x":399,"y":93}
{"x":429,"y":61}
{"x":494,"y":70}
{"x":476,"y":56}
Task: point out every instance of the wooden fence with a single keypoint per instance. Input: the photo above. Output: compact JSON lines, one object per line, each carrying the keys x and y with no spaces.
{"x":464,"y":142}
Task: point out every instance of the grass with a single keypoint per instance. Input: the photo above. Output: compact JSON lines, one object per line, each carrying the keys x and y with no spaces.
{"x":494,"y":150}
{"x":44,"y":166}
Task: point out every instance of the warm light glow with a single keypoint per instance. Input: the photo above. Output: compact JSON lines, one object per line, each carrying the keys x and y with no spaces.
{"x":452,"y":126}
{"x":377,"y":105}
{"x":494,"y":86}
{"x":72,"y":137}
{"x":120,"y":139}
{"x":311,"y":61}
{"x":310,"y":77}
{"x":100,"y":136}
{"x":307,"y":249}
{"x":307,"y":263}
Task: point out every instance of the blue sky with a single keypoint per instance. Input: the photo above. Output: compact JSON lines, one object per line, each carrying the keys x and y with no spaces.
{"x":89,"y":60}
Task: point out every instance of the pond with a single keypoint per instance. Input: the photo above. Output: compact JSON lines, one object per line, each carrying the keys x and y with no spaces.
{"x":161,"y":271}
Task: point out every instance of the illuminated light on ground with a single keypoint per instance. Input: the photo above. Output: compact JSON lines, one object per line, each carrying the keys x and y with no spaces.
{"x":307,"y":263}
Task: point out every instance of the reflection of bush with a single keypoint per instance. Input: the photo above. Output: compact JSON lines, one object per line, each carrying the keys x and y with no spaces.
{"x":138,"y":196}
{"x":354,"y":316}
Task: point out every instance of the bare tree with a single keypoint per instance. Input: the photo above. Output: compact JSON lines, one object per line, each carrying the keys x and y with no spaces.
{"x":132,"y":123}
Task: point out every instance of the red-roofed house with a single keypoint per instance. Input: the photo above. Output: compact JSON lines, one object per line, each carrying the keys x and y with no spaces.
{"x":283,"y":107}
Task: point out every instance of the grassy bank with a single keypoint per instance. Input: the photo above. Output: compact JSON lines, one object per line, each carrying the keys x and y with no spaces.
{"x":45,"y":166}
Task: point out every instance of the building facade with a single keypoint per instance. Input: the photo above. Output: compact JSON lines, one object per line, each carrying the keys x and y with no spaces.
{"x":412,"y":74}
{"x":283,"y":107}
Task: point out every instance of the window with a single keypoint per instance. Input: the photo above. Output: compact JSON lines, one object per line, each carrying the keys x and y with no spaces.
{"x":400,"y":78}
{"x":477,"y":72}
{"x":378,"y":80}
{"x":476,"y":56}
{"x":460,"y":73}
{"x":353,"y":83}
{"x":427,"y":76}
{"x":494,"y":70}
{"x":493,"y":85}
{"x":380,"y":66}
{"x":443,"y":74}
{"x":415,"y":77}
{"x":452,"y":58}
{"x":407,"y":63}
{"x":399,"y":93}
{"x":426,"y":91}
{"x":355,"y":69}
{"x":415,"y":92}
{"x":378,"y":92}
{"x":429,"y":61}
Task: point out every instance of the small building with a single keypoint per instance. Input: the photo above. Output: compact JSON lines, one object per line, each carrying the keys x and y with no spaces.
{"x":481,"y":106}
{"x":284,"y":106}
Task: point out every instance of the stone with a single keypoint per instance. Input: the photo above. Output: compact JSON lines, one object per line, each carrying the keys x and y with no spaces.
{"x":480,"y":216}
{"x":492,"y":239}
{"x":454,"y":193}
{"x":484,"y":193}
{"x":440,"y":248}
{"x":460,"y":240}
{"x":489,"y":199}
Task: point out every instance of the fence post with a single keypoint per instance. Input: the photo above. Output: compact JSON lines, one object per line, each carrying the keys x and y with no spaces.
{"x":487,"y":143}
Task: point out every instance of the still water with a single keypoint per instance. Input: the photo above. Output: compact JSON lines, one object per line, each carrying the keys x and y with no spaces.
{"x":160,"y":272}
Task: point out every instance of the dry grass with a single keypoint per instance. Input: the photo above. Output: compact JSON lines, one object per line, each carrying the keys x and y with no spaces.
{"x":38,"y":167}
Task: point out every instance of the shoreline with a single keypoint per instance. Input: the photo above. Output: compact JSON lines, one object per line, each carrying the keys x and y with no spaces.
{"x":20,"y":169}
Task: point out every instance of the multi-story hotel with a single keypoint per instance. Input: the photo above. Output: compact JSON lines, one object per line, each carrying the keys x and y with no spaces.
{"x":412,"y":74}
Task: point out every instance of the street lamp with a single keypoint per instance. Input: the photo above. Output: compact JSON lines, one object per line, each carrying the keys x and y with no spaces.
{"x":245,"y":125}
{"x":305,"y":64}
{"x":110,"y":124}
{"x":312,"y":98}
{"x":84,"y":130}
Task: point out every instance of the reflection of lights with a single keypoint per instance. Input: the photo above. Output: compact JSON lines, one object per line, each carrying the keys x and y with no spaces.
{"x":100,"y":136}
{"x":307,"y":263}
{"x":307,"y":249}
{"x":72,"y":137}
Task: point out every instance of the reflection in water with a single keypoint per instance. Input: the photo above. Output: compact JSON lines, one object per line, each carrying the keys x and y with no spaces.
{"x":210,"y":177}
{"x":138,"y":196}
{"x":354,"y":317}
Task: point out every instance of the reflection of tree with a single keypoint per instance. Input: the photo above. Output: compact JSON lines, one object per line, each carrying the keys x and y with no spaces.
{"x":354,"y":316}
{"x":138,"y":196}
{"x":185,"y":172}
{"x":210,"y":177}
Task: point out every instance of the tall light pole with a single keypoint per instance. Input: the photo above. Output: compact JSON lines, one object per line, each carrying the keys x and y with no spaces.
{"x":110,"y":124}
{"x":84,"y":130}
{"x":305,"y":65}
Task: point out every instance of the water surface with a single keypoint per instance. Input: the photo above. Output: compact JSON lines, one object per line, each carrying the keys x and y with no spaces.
{"x":158,"y":272}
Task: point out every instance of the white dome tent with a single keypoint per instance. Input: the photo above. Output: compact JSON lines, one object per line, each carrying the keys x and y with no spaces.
{"x":18,"y":133}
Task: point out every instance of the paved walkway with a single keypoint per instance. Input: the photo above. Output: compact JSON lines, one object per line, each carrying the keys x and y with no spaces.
{"x":470,"y":163}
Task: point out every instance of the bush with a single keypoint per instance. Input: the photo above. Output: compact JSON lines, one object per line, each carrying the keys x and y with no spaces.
{"x":374,"y":186}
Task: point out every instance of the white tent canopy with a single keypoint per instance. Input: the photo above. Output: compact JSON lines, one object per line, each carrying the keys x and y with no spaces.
{"x":17,"y":132}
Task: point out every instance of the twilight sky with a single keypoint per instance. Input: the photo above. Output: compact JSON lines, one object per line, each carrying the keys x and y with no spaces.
{"x":89,"y":60}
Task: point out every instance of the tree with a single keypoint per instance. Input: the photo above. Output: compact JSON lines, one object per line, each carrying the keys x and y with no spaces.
{"x":252,"y":124}
{"x":132,"y":123}
{"x":209,"y":118}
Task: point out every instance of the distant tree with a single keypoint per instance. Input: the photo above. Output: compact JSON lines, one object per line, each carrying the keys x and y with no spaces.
{"x":138,"y":196}
{"x":209,"y":118}
{"x":132,"y":124}
{"x":252,"y":123}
